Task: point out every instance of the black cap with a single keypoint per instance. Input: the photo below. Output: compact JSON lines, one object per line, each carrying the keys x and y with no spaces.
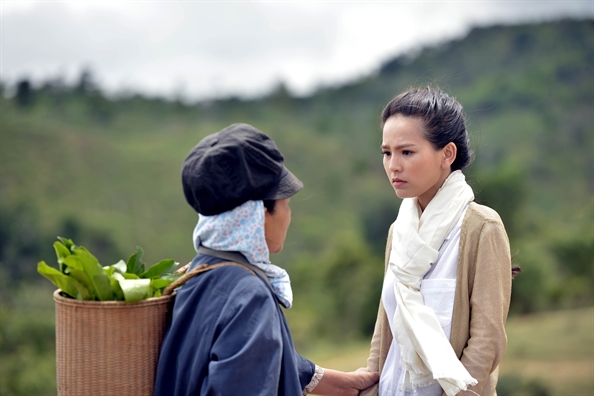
{"x":233,"y":166}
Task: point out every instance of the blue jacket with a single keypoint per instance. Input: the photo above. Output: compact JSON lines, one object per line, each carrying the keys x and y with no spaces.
{"x":229,"y":336}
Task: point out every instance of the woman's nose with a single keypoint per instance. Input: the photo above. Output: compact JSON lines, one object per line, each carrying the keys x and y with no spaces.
{"x":395,"y":164}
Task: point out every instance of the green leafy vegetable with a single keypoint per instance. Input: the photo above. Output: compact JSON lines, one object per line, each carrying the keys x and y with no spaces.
{"x":68,"y":284}
{"x":159,"y":269}
{"x":81,"y":276}
{"x":135,"y":264}
{"x":135,"y":289}
{"x":61,"y":252}
{"x":67,"y":243}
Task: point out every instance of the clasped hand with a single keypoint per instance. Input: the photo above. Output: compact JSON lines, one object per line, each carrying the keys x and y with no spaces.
{"x":338,"y":383}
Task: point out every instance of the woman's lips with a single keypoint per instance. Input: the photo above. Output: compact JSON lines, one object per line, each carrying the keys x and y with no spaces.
{"x":398,"y":182}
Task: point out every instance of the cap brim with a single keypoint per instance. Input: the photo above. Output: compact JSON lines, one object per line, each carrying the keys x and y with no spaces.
{"x":287,"y":186}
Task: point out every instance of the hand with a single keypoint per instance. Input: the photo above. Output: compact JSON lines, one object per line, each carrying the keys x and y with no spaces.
{"x":338,"y":383}
{"x":363,"y":379}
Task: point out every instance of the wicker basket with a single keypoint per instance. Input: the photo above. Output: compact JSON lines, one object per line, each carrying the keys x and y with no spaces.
{"x":112,"y":347}
{"x":109,"y":347}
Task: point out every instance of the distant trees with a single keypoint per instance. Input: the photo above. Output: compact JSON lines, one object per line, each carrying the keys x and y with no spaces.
{"x":24,"y":94}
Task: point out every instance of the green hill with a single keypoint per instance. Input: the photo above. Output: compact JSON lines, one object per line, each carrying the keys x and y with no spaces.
{"x":108,"y":170}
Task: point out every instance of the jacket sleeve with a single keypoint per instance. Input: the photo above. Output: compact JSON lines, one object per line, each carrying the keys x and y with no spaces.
{"x":306,"y":370}
{"x":246,"y":354}
{"x":489,"y":304}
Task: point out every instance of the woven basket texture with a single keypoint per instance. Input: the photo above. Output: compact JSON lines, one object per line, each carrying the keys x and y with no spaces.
{"x":109,"y":347}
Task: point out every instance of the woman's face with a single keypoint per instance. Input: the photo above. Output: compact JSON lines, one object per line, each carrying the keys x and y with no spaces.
{"x":414,"y":167}
{"x":276,"y":225}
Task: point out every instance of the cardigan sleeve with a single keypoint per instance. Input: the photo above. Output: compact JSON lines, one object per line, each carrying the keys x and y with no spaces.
{"x":373,"y":361}
{"x":374,"y":352}
{"x":490,"y":291}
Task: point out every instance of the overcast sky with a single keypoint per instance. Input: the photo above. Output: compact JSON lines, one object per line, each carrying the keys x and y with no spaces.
{"x":206,"y":49}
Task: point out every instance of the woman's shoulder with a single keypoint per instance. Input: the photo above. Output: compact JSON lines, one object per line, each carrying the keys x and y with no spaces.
{"x":482,"y":220}
{"x":237,"y":276}
{"x":478,"y":213}
{"x":231,"y":279}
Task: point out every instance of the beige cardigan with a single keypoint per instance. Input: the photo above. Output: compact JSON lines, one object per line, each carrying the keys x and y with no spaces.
{"x":481,"y":302}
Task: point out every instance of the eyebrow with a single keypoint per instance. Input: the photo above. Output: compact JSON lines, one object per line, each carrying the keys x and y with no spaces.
{"x":399,"y":147}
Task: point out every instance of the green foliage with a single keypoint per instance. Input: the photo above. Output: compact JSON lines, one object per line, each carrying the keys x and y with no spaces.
{"x":82,"y":277}
{"x":534,"y":289}
{"x":503,"y":188}
{"x":27,"y":342}
{"x":513,"y":385}
{"x":576,"y":252}
{"x":352,"y":275}
{"x":354,"y":278}
{"x":552,"y":336}
{"x":20,"y":241}
{"x":554,"y":350}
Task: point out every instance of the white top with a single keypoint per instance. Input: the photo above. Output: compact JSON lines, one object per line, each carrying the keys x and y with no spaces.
{"x":438,"y":289}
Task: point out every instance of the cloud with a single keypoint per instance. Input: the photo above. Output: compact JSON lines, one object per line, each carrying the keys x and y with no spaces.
{"x":210,"y":49}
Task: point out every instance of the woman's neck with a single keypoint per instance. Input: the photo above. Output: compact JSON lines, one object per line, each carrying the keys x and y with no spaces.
{"x":424,"y":199}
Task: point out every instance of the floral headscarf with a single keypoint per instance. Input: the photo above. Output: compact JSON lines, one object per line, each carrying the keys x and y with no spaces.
{"x":242,"y":230}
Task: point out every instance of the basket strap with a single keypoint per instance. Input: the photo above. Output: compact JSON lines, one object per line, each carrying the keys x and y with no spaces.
{"x":198,"y":270}
{"x":183,"y":269}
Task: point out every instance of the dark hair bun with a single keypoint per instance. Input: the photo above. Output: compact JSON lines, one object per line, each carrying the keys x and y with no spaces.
{"x":443,"y":119}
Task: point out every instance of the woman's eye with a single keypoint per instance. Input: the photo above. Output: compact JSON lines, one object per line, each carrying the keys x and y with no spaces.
{"x":406,"y":152}
{"x":386,"y":153}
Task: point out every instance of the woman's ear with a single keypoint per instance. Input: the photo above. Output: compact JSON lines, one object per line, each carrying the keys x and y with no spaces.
{"x":449,"y":154}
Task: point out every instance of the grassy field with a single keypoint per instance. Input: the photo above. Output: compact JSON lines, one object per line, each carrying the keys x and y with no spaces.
{"x":548,"y":353}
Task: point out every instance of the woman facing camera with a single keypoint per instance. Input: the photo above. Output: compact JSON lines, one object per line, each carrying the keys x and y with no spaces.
{"x":228,"y":335}
{"x":447,"y":284}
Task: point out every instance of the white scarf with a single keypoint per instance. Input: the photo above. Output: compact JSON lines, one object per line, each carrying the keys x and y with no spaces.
{"x":426,"y":353}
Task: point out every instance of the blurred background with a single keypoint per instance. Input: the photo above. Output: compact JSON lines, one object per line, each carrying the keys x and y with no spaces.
{"x":101,"y":102}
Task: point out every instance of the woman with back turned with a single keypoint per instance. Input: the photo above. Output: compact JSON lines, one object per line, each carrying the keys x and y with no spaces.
{"x":447,"y":284}
{"x":228,"y":335}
